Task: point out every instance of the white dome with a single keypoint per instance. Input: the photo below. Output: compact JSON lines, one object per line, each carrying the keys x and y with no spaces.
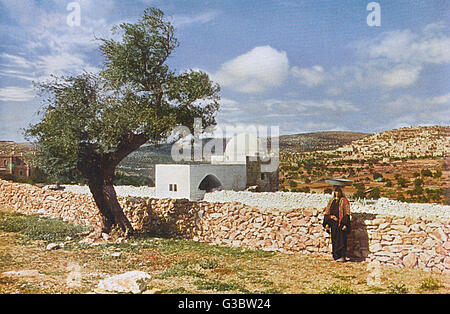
{"x":242,"y":145}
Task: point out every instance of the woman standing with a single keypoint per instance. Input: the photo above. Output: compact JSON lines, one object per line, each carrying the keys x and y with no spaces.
{"x":337,"y":218}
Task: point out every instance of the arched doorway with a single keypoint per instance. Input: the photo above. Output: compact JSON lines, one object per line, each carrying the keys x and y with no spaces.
{"x":209,"y":183}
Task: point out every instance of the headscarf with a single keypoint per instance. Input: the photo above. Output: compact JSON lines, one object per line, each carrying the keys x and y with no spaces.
{"x":344,"y":205}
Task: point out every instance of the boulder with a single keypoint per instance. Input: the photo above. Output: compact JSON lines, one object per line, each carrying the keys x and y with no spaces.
{"x":129,"y":282}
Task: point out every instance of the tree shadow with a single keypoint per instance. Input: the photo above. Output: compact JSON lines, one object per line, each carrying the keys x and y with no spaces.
{"x":172,"y":221}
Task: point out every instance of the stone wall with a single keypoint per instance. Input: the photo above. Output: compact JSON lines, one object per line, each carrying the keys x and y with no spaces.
{"x":400,"y":241}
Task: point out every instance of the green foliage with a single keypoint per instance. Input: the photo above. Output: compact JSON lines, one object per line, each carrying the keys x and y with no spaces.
{"x":418,"y":182}
{"x":374,"y":194}
{"x":402,"y":182}
{"x":35,"y":227}
{"x":437,"y":174}
{"x":377,"y":175}
{"x":122,"y":179}
{"x":292,"y":184}
{"x":426,"y":173}
{"x":208,"y":263}
{"x":397,"y":288}
{"x":215,"y":285}
{"x":337,"y":289}
{"x":181,"y":269}
{"x":89,"y":123}
{"x":430,"y":284}
{"x":360,"y":188}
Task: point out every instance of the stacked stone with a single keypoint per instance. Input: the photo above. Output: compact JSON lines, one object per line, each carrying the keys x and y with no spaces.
{"x":403,"y":241}
{"x":410,"y":242}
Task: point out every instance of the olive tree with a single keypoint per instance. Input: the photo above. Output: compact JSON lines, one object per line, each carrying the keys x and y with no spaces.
{"x":89,"y":123}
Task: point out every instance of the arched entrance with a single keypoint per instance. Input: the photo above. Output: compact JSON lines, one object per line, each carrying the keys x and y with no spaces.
{"x":209,"y":183}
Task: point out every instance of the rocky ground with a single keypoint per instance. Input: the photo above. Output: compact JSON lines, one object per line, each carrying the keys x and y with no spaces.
{"x":29,"y":264}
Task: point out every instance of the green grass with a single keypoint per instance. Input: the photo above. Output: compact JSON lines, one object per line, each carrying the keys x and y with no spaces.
{"x":430,"y":284}
{"x":394,"y":288}
{"x":179,"y":246}
{"x":34,"y":227}
{"x":216,"y":285}
{"x":183,"y":268}
{"x":337,"y":289}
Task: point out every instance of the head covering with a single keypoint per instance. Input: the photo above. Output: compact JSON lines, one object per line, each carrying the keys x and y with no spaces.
{"x":344,"y":205}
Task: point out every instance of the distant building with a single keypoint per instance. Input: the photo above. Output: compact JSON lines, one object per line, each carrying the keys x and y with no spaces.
{"x":15,"y":165}
{"x":241,"y":166}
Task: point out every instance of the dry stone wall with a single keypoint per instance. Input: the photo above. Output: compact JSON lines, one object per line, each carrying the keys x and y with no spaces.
{"x":401,"y":241}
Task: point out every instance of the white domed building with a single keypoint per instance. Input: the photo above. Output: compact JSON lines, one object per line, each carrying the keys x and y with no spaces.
{"x":244,"y":164}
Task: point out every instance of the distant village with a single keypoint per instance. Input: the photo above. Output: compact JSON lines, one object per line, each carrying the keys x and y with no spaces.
{"x":409,"y":142}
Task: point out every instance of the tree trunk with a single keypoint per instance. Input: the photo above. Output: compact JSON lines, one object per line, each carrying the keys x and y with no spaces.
{"x":106,"y":199}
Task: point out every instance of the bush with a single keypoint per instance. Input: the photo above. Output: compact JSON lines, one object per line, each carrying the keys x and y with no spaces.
{"x":426,"y":173}
{"x":337,"y":289}
{"x":430,"y":284}
{"x":208,"y":263}
{"x":374,"y":194}
{"x":377,"y":175}
{"x":397,"y":288}
{"x":402,"y":182}
{"x":437,"y":174}
{"x":418,"y":182}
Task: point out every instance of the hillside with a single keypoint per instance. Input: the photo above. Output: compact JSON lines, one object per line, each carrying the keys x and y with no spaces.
{"x":401,"y":143}
{"x":141,"y":162}
{"x":309,"y":142}
{"x":405,"y":164}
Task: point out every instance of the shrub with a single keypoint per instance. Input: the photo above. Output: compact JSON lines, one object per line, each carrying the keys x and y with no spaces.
{"x":208,"y":263}
{"x":219,"y":286}
{"x":437,"y":174}
{"x":337,"y":289}
{"x":374,"y":194}
{"x":397,"y":288}
{"x":426,"y":173}
{"x":418,"y":182}
{"x":430,"y":284}
{"x":377,"y":175}
{"x":402,"y":182}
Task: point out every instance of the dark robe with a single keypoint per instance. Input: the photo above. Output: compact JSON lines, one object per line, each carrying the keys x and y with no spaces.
{"x":338,"y":236}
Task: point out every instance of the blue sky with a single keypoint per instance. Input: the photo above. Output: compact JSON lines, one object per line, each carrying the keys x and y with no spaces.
{"x":304,"y":66}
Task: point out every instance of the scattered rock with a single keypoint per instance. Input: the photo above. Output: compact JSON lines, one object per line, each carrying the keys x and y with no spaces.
{"x":129,"y":282}
{"x":53,"y":246}
{"x":22,"y":273}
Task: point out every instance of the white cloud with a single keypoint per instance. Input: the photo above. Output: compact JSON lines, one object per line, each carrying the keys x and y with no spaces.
{"x":16,"y":94}
{"x":401,"y":76}
{"x":258,"y":70}
{"x":9,"y":60}
{"x":431,"y":46}
{"x":392,"y":60}
{"x":310,"y":77}
{"x":414,"y":105}
{"x":201,"y":18}
{"x":310,"y":107}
